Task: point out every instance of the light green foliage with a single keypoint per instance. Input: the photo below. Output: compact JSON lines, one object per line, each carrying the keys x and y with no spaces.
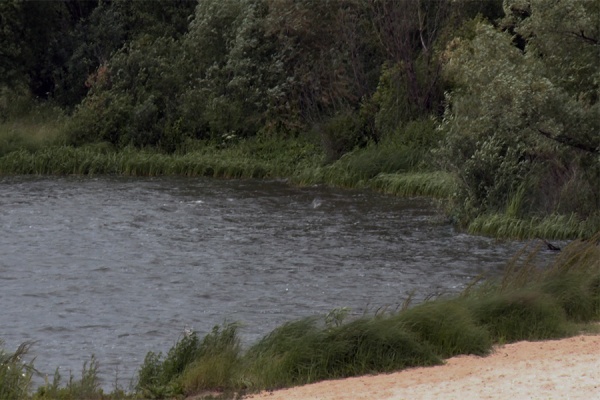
{"x":513,"y":121}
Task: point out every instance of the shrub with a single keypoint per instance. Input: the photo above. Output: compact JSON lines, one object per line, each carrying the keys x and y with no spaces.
{"x":340,"y":134}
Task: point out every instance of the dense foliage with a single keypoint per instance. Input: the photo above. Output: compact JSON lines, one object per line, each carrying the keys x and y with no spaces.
{"x":503,"y":95}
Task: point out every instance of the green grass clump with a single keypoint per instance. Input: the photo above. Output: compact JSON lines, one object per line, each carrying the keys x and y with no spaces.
{"x":448,"y":327}
{"x":577,"y":295}
{"x":158,"y":378}
{"x":215,"y":365}
{"x":15,"y":374}
{"x":522,"y":315}
{"x":307,"y":351}
{"x":533,"y":302}
{"x":28,"y":124}
{"x":192,"y":365}
{"x":435,"y":184}
{"x":88,"y":387}
{"x":550,"y":227}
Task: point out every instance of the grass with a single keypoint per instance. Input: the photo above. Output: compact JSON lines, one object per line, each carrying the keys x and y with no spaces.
{"x":15,"y":374}
{"x":28,"y":124}
{"x":549,"y":227}
{"x":434,"y":184}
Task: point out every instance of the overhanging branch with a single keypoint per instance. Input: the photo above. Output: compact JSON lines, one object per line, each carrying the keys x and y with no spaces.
{"x":571,"y":142}
{"x":581,"y":35}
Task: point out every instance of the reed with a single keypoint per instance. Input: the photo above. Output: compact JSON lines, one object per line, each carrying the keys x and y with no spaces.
{"x":533,"y":301}
{"x":88,"y":387}
{"x":521,"y":315}
{"x":15,"y":374}
{"x":435,"y":184}
{"x":550,"y":227}
{"x":28,"y":124}
{"x":309,"y":350}
{"x":448,"y":326}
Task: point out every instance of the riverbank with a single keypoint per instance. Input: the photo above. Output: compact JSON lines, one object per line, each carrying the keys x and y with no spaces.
{"x":299,"y":161}
{"x":566,"y":368}
{"x":529,"y":303}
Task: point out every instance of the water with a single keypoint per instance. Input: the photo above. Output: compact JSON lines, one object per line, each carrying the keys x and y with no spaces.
{"x":118,"y":267}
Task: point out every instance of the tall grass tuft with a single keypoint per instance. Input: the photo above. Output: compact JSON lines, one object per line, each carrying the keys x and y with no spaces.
{"x":521,"y":315}
{"x":158,"y":377}
{"x":448,"y":327}
{"x":432,"y":184}
{"x":308,"y":350}
{"x":549,"y":227}
{"x":192,"y":365}
{"x":216,"y":364}
{"x":26,"y":123}
{"x":88,"y":387}
{"x":15,"y":374}
{"x":533,"y":302}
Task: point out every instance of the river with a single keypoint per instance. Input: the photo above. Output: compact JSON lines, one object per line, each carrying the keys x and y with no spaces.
{"x":117,"y":267}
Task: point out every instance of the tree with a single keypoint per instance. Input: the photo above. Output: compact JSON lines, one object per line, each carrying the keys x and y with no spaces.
{"x":521,"y":126}
{"x":36,"y":41}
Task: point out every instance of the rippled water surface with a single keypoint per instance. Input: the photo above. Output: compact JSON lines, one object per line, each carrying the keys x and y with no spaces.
{"x":119,"y":267}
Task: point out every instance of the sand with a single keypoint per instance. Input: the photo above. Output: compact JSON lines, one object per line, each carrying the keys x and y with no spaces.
{"x":560,"y":369}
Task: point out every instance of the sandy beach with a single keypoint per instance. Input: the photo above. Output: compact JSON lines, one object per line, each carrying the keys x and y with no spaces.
{"x":557,"y":369}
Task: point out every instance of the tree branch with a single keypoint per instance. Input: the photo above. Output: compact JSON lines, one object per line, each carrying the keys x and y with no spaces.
{"x":581,"y":35}
{"x":569,"y":141}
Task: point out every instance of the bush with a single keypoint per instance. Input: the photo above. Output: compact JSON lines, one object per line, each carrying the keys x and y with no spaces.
{"x":340,"y":134}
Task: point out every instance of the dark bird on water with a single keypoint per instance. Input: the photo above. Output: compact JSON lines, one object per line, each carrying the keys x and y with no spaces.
{"x":551,"y":246}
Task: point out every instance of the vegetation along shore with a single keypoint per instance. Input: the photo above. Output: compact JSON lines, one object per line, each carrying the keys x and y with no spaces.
{"x":490,"y":106}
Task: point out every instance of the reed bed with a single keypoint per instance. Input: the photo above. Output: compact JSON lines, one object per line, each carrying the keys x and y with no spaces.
{"x":435,"y":184}
{"x":549,"y":227}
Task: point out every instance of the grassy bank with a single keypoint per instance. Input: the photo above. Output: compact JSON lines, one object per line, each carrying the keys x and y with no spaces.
{"x":528,"y":302}
{"x":298,"y":160}
{"x":32,"y":141}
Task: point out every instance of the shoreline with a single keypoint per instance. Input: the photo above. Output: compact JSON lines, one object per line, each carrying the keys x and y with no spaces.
{"x":563,"y":368}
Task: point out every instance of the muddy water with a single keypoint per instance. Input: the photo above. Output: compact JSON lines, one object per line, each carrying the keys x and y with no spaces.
{"x":119,"y":267}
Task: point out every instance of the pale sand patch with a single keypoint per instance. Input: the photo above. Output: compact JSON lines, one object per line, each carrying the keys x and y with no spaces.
{"x":558,"y":369}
